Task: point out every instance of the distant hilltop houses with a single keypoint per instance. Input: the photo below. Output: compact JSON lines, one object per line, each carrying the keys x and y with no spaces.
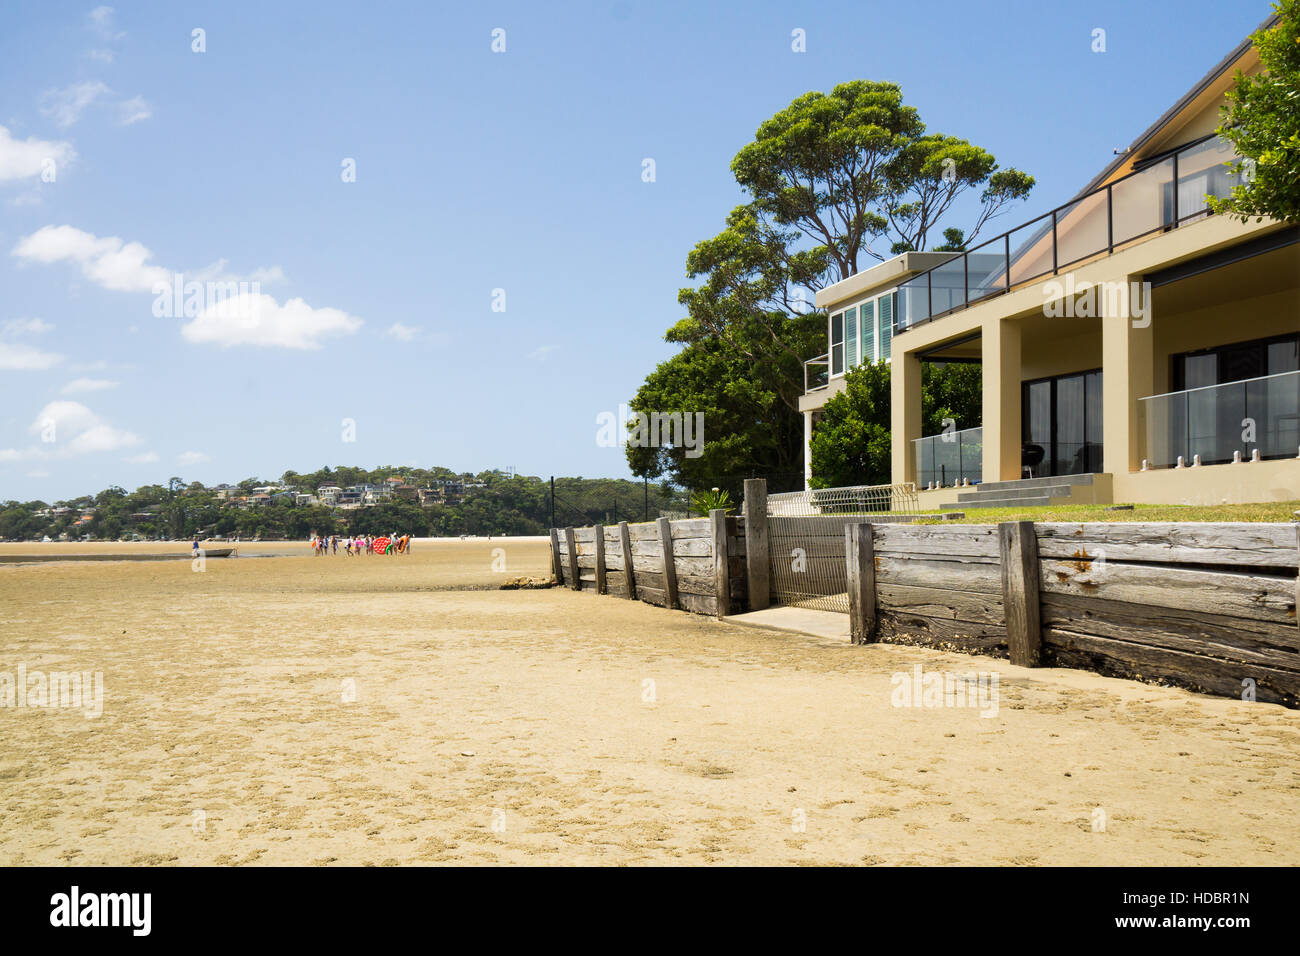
{"x":349,"y":497}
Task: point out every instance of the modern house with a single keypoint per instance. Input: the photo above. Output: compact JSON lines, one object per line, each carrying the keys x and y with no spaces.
{"x":1134,"y":347}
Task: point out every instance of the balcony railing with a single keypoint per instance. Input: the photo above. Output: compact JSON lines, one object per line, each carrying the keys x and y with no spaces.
{"x":951,"y":457}
{"x":814,"y":379}
{"x":1256,"y":415}
{"x":1139,"y":204}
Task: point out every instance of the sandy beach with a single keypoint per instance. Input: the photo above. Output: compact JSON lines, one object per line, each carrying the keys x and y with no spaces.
{"x":402,"y":710}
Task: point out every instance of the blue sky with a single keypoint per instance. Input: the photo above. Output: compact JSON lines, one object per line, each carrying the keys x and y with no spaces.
{"x":475,"y":171}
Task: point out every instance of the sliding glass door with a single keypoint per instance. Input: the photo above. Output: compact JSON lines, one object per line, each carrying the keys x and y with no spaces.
{"x":1061,"y":425}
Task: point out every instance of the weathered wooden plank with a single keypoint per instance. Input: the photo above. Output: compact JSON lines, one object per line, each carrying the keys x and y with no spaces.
{"x":625,"y":545}
{"x":1263,"y":597}
{"x":1249,"y":544}
{"x":670,"y":568}
{"x":721,"y":562}
{"x":1018,"y":547}
{"x":861,"y":575}
{"x":1197,"y":672}
{"x":698,"y":603}
{"x":895,"y":627}
{"x":943,"y":603}
{"x":643,"y":531}
{"x":1235,"y":638}
{"x":585,"y":535}
{"x":557,"y":569}
{"x":925,"y":572}
{"x":601,"y":587}
{"x":651,"y":595}
{"x":757,"y":568}
{"x":1297,"y":580}
{"x":571,"y":544}
{"x":946,"y":540}
{"x":690,"y":527}
{"x":613,"y":558}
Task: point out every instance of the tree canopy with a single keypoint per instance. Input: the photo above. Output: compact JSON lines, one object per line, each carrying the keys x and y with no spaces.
{"x":833,"y":181}
{"x":1262,"y":120}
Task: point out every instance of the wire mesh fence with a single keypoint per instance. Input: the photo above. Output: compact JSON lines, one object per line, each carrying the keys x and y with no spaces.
{"x":806,"y":539}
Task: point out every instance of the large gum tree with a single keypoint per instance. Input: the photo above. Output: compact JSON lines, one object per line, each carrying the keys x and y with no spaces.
{"x":834,"y":182}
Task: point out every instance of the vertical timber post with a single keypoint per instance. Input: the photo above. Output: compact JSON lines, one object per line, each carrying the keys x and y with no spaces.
{"x":721,"y":560}
{"x":1297,"y":580}
{"x":1018,"y":550}
{"x":629,"y":575}
{"x":600,"y":559}
{"x":569,"y":541}
{"x":557,"y":567}
{"x":758,"y":570}
{"x":860,"y":553}
{"x":670,"y":564}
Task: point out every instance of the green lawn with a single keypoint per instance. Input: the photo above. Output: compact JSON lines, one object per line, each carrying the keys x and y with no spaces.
{"x":1273,"y":511}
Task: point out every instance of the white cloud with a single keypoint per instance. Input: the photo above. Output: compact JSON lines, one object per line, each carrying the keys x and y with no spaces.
{"x":248,"y":319}
{"x":103,"y":56}
{"x":38,"y":474}
{"x":217,"y":272}
{"x":192,"y":458}
{"x":26,"y":327}
{"x":25,"y":158}
{"x":101,"y":21}
{"x":146,"y":458}
{"x":15,"y":356}
{"x":541,"y":353}
{"x":78,"y":385}
{"x":89,"y":433}
{"x":133,"y":111}
{"x":403,"y":333}
{"x":66,"y":105}
{"x":109,"y":262}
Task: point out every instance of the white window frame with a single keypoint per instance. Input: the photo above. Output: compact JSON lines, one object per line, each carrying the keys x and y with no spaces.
{"x":841,"y":311}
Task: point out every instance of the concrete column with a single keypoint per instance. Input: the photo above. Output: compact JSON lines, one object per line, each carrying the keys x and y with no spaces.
{"x":807,"y":448}
{"x":1000,"y":342}
{"x":1128,"y":374}
{"x":904,"y":413}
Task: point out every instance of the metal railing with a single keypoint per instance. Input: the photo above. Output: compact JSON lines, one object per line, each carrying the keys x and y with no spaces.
{"x":1162,"y":195}
{"x":951,"y":457}
{"x":1214,"y":422}
{"x":850,"y":500}
{"x":813,"y":380}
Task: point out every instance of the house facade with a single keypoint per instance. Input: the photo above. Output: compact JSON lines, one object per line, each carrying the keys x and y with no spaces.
{"x":1133,"y":346}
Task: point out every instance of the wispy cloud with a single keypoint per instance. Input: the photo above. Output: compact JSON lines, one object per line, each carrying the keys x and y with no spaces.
{"x":147,"y":458}
{"x":14,"y":356}
{"x":192,"y":458}
{"x":403,"y":333}
{"x":542,"y":353}
{"x":81,"y":385}
{"x":69,"y":429}
{"x":26,"y":327}
{"x":102,"y":20}
{"x":66,"y":105}
{"x":133,"y":111}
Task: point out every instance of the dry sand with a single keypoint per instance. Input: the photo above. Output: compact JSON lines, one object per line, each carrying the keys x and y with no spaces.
{"x":225,"y":735}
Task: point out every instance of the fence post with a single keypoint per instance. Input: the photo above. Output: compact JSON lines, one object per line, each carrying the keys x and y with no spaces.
{"x":758,"y":571}
{"x":600,"y":559}
{"x":721,"y":560}
{"x":629,"y":576}
{"x":572,"y":544}
{"x":1018,"y":550}
{"x":860,"y":553}
{"x":1297,"y":580}
{"x":557,"y":566}
{"x":670,"y":565}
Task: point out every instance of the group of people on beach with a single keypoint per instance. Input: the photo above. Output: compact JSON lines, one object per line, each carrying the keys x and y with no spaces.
{"x":361,"y":544}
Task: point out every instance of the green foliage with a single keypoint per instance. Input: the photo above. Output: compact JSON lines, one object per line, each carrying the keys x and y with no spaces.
{"x":714,"y":498}
{"x":1262,"y":120}
{"x":851,"y":444}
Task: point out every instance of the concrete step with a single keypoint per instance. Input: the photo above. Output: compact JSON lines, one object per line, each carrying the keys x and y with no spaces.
{"x":1037,"y":482}
{"x":1037,"y":491}
{"x":992,"y":502}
